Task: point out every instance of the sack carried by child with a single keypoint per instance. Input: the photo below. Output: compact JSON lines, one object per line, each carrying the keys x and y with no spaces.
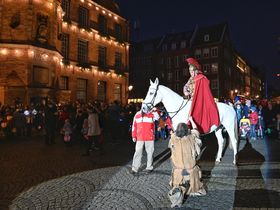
{"x":67,"y":138}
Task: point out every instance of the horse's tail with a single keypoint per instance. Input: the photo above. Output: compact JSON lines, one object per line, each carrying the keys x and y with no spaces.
{"x":236,"y":128}
{"x":234,"y":136}
{"x":235,"y":140}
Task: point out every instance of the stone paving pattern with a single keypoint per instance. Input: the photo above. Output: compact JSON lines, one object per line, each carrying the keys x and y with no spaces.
{"x":27,"y":162}
{"x":253,"y":184}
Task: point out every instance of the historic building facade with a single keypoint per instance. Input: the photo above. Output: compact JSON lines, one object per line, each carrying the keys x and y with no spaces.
{"x":165,"y":57}
{"x":248,"y":80}
{"x":63,"y":49}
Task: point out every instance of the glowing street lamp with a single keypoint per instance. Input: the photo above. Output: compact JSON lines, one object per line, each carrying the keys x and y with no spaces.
{"x":130,"y":87}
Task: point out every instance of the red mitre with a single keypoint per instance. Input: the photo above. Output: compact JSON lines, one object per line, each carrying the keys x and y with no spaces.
{"x":194,"y":62}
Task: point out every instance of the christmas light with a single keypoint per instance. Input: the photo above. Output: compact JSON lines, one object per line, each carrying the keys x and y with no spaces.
{"x":4,"y":51}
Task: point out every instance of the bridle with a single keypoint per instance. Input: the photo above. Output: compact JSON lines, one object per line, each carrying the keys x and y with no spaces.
{"x":153,"y":99}
{"x":151,"y":104}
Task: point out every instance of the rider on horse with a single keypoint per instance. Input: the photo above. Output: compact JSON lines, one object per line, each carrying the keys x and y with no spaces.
{"x":204,"y":109}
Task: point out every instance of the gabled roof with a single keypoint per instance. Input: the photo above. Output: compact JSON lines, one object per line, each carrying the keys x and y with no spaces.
{"x":147,"y":46}
{"x":110,"y":5}
{"x":177,"y":37}
{"x":215,"y":32}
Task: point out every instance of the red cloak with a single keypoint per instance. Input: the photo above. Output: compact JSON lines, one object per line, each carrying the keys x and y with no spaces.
{"x":204,"y":109}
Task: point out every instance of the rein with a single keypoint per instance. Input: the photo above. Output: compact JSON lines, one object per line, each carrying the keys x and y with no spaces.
{"x":182,"y":106}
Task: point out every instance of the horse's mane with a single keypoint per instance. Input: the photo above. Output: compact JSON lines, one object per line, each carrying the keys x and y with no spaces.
{"x":168,"y":89}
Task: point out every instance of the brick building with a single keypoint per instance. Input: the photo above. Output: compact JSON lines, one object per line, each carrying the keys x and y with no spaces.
{"x":63,"y":49}
{"x":164,"y":57}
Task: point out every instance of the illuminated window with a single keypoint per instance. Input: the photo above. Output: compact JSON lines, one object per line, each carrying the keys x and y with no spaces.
{"x":101,"y":90}
{"x":206,"y":68}
{"x":83,"y":17}
{"x":65,"y":4}
{"x":82,"y":51}
{"x":214,"y":67}
{"x":102,"y":24}
{"x":81,"y":89}
{"x":118,"y":32}
{"x":205,"y":52}
{"x":117,"y":92}
{"x":63,"y":83}
{"x":169,"y":76}
{"x":102,"y":53}
{"x":214,"y":51}
{"x":65,"y":46}
{"x":118,"y":60}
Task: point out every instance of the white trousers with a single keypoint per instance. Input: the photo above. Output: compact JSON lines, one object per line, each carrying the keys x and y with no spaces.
{"x":149,"y":148}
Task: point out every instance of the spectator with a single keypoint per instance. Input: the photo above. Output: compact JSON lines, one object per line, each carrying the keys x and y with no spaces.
{"x":50,"y":113}
{"x":269,"y":116}
{"x":67,"y":132}
{"x":239,"y":111}
{"x":260,"y":122}
{"x":253,"y":116}
{"x":161,"y":126}
{"x":143,"y":128}
{"x":93,"y":131}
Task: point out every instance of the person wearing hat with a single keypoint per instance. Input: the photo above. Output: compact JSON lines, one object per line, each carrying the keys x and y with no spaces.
{"x":203,"y":109}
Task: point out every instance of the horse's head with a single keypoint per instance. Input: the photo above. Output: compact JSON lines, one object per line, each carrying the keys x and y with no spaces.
{"x":152,"y":98}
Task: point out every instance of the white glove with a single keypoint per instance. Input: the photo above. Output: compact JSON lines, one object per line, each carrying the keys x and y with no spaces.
{"x":134,"y":139}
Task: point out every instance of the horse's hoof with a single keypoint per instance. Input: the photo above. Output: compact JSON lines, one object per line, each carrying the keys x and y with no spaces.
{"x":217,"y":162}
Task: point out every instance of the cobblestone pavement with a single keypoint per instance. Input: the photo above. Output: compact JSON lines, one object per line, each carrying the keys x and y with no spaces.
{"x":253,"y":184}
{"x":28,"y":162}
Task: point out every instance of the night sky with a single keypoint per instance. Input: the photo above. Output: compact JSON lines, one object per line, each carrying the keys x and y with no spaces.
{"x":254,"y":24}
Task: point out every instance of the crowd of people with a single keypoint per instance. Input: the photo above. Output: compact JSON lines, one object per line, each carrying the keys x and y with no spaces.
{"x":74,"y":121}
{"x":89,"y":122}
{"x":257,"y":118}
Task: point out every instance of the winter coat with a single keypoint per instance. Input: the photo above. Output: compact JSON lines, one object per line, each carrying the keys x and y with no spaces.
{"x":93,"y":125}
{"x":67,"y":128}
{"x":254,"y":118}
{"x":143,"y":126}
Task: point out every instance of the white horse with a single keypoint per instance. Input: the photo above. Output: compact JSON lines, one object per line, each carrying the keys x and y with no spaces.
{"x":178,"y":109}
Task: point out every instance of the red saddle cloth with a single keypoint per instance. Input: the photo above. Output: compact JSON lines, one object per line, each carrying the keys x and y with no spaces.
{"x":204,"y":109}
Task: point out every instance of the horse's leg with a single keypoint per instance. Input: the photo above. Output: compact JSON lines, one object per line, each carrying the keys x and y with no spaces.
{"x":232,"y":132}
{"x":220,"y":139}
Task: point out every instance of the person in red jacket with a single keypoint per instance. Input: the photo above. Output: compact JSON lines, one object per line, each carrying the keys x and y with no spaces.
{"x":143,"y":133}
{"x":253,"y":116}
{"x":203,"y":109}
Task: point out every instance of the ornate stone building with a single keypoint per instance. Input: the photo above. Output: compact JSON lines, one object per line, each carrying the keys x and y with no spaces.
{"x":63,"y":49}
